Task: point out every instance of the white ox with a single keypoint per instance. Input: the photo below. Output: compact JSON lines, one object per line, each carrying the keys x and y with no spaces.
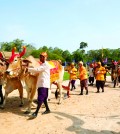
{"x":17,"y":68}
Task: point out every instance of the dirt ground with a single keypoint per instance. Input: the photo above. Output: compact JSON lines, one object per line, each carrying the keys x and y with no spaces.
{"x":96,"y":113}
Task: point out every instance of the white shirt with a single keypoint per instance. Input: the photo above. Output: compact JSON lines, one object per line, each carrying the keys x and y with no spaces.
{"x":44,"y":74}
{"x":91,"y":74}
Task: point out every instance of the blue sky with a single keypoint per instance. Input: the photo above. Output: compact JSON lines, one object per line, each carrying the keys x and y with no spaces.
{"x":61,"y":23}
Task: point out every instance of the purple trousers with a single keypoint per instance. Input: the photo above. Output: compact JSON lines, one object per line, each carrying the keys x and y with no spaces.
{"x":42,"y":94}
{"x":42,"y":98}
{"x":73,"y":83}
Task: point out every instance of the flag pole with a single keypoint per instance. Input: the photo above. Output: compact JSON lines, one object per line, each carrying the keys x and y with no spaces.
{"x":102,"y":53}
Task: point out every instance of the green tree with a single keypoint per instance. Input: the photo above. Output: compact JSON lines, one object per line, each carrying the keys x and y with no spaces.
{"x":53,"y":56}
{"x":18,"y":44}
{"x":5,"y":46}
{"x":83,"y":45}
{"x":77,"y":55}
{"x":58,"y":51}
{"x":36,"y":53}
{"x":29,"y":49}
{"x":67,"y":56}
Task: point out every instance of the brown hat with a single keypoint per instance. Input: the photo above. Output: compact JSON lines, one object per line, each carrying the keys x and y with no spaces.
{"x":44,"y":54}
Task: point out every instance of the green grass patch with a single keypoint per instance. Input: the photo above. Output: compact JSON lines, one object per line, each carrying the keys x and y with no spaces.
{"x":108,"y":74}
{"x":66,"y":76}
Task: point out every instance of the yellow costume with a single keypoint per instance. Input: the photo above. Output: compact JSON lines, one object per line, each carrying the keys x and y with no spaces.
{"x":83,"y":73}
{"x":100,"y":77}
{"x":73,"y":75}
{"x":83,"y":78}
{"x":99,"y":73}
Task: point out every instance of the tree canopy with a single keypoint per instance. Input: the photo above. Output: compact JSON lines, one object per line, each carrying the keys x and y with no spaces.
{"x":64,"y":55}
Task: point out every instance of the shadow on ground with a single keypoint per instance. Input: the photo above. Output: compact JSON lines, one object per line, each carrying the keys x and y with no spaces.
{"x":12,"y":106}
{"x":77,"y":125}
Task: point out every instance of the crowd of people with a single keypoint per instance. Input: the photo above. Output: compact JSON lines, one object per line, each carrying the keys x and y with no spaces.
{"x":97,"y":72}
{"x":88,"y":75}
{"x":94,"y":73}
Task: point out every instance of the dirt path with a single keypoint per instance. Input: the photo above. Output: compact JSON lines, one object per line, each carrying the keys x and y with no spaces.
{"x":96,"y":113}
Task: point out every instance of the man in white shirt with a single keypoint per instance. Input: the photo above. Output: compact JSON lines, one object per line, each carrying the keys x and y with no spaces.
{"x":91,"y":74}
{"x":43,"y":83}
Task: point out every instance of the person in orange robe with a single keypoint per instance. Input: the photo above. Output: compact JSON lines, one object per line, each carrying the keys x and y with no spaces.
{"x":83,"y":76}
{"x":73,"y":75}
{"x":100,"y":77}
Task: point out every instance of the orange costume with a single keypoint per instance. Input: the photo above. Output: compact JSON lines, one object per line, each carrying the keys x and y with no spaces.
{"x":99,"y":73}
{"x":73,"y":75}
{"x":100,"y":77}
{"x":83,"y":78}
{"x":83,"y":73}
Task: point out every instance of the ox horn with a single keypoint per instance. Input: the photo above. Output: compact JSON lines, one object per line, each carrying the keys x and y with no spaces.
{"x":13,"y":50}
{"x":13,"y":54}
{"x":23,"y":52}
